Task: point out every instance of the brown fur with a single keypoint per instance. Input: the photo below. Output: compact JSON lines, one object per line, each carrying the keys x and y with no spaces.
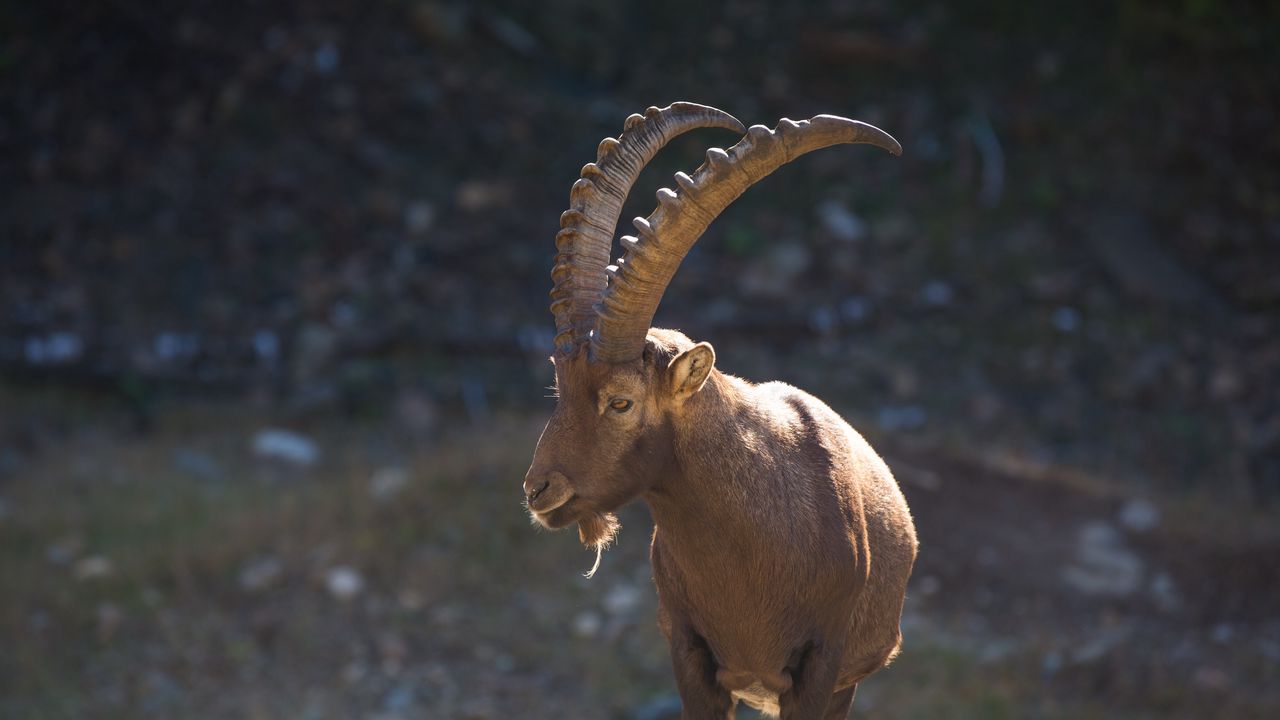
{"x":782,"y":544}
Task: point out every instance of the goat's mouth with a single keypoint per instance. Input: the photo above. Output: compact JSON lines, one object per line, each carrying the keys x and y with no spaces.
{"x":556,"y":512}
{"x":595,"y":529}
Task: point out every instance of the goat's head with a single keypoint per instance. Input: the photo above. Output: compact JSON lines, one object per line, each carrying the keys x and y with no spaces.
{"x":610,"y":434}
{"x":620,"y":382}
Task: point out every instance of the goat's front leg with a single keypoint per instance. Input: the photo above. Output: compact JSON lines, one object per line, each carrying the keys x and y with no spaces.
{"x":813,"y":682}
{"x":695,"y":668}
{"x":839,"y":704}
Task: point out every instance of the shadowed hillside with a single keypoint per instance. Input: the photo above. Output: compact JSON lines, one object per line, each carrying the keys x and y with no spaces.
{"x":273,"y":331}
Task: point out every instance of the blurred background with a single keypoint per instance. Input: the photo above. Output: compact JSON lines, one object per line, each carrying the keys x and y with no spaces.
{"x":274,"y":327}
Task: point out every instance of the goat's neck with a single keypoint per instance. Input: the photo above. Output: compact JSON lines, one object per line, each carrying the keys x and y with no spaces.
{"x":710,"y":491}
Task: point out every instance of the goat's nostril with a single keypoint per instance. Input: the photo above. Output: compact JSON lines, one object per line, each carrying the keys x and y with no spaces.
{"x":533,"y":494}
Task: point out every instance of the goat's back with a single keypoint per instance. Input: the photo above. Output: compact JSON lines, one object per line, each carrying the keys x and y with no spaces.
{"x":864,"y":485}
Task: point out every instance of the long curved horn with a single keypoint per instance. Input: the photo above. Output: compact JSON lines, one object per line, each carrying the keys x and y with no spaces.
{"x":585,"y":239}
{"x":639,"y":279}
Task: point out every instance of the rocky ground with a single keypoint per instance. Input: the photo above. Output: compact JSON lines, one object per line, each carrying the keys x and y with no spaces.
{"x":1056,"y":313}
{"x":228,"y":567}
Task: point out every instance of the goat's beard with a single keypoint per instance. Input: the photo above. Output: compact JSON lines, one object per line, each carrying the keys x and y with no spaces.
{"x":598,"y":530}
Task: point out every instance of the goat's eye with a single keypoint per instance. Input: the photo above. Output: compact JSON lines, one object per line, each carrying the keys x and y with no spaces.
{"x":619,"y":405}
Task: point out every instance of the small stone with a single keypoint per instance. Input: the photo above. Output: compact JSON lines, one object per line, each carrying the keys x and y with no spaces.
{"x":483,"y":653}
{"x":1048,"y":64}
{"x":326,"y":58}
{"x":937,"y":294}
{"x":904,"y":382}
{"x":855,"y":309}
{"x":504,"y":663}
{"x":512,"y":34}
{"x":286,"y":446}
{"x":344,"y":582}
{"x":1051,"y":663}
{"x":664,"y":707}
{"x":622,"y":600}
{"x":387,"y":483}
{"x":197,"y":464}
{"x":587,"y":625}
{"x":400,"y":699}
{"x":260,"y":573}
{"x":38,"y":621}
{"x":419,"y":216}
{"x":10,"y":461}
{"x":985,"y":407}
{"x":1225,"y":384}
{"x":997,"y":650}
{"x":823,"y":320}
{"x":841,"y":222}
{"x":475,"y":398}
{"x":476,"y":195}
{"x":353,"y":672}
{"x":1270,"y":649}
{"x":1139,"y":515}
{"x":1053,"y":286}
{"x":1211,"y":678}
{"x":1103,"y":564}
{"x":447,"y":615}
{"x":417,"y":412}
{"x":266,"y":345}
{"x":170,"y":346}
{"x":314,"y":347}
{"x":1066,"y":319}
{"x":928,"y":585}
{"x":344,"y":315}
{"x":901,"y":417}
{"x":93,"y":567}
{"x":53,"y":349}
{"x":438,"y":673}
{"x":160,"y":690}
{"x":64,"y":550}
{"x":1165,"y":593}
{"x":410,"y":599}
{"x":1099,"y":646}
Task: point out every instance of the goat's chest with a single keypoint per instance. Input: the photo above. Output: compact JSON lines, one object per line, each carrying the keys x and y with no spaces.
{"x":754,"y":612}
{"x":732,"y":602}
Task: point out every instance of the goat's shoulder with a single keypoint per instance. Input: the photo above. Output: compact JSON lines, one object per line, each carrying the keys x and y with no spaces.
{"x":795,"y":411}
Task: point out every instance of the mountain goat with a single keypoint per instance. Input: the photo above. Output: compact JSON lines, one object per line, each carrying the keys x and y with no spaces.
{"x":782,"y":544}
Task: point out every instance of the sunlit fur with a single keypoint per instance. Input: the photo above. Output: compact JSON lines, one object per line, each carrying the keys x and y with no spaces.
{"x":782,"y":545}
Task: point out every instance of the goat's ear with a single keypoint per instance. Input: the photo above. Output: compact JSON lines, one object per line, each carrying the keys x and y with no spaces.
{"x":688,"y":371}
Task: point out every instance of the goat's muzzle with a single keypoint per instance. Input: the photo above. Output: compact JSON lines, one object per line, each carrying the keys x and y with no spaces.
{"x":531,"y":493}
{"x":544,"y":492}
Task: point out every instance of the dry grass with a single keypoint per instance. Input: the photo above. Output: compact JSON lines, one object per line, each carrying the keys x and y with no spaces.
{"x":466,"y":610}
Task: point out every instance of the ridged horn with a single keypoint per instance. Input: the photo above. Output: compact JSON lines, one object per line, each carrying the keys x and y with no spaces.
{"x":585,"y":240}
{"x":639,"y":279}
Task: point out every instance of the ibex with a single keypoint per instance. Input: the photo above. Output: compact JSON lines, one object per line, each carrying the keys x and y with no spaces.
{"x":782,"y":544}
